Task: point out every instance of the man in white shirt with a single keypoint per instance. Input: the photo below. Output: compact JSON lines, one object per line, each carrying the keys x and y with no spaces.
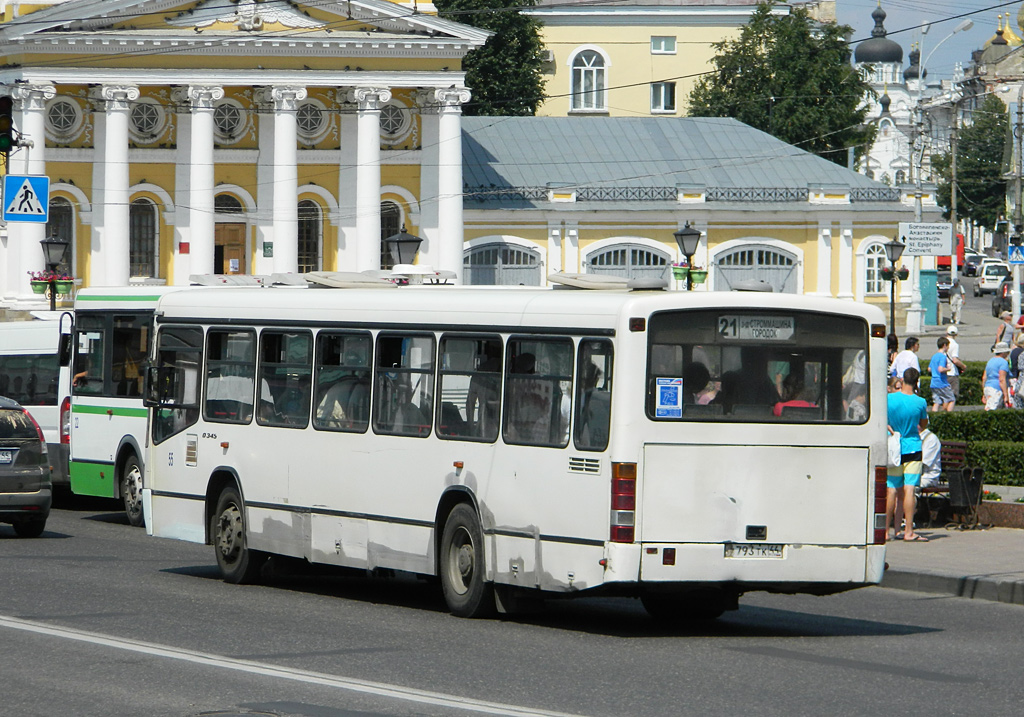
{"x":931,"y":448}
{"x":956,"y":365}
{"x":907,"y":358}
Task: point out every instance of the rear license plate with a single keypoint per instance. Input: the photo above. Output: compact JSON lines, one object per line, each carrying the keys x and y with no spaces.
{"x":6,"y":457}
{"x":753,"y":550}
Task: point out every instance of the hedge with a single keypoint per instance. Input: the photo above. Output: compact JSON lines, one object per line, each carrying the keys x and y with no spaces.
{"x":970,"y":385}
{"x":1003,"y":461}
{"x":995,"y":441}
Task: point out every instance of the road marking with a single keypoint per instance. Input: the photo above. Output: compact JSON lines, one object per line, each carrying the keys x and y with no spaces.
{"x":258,"y":668}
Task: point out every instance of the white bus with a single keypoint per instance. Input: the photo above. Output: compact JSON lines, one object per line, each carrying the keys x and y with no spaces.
{"x":32,"y":373}
{"x":520,"y":443}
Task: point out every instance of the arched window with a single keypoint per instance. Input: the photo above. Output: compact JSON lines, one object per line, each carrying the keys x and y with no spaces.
{"x":226,"y":204}
{"x":874,"y":262}
{"x":501,"y":264}
{"x":390,"y":224}
{"x":142,"y":238}
{"x":588,"y":82}
{"x":61,"y":225}
{"x":632,"y":261}
{"x":901,"y":176}
{"x":309,"y":236}
{"x":757,"y":261}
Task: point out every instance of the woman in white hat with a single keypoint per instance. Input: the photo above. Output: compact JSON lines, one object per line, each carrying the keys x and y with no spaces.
{"x":995,"y":382}
{"x":1005,"y":331}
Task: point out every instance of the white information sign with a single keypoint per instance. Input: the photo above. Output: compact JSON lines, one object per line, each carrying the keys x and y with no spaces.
{"x":669,"y":398}
{"x":757,"y":328}
{"x":927,"y":239}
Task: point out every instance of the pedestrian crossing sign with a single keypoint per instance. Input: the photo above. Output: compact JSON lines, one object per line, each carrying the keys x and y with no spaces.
{"x":1016,"y":255}
{"x":26,"y":198}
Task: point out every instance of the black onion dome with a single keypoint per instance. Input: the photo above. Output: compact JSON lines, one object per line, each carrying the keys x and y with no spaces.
{"x":879,"y":48}
{"x":912,"y":72}
{"x":884,"y":101}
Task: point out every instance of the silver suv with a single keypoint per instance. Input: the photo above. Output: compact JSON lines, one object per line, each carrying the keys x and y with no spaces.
{"x":25,"y":488}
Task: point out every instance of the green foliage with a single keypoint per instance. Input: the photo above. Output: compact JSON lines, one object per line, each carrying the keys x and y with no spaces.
{"x":792,"y":78}
{"x":981,"y":194}
{"x":505,"y":74}
{"x":1003,"y":461}
{"x":980,"y":426}
{"x":970,"y":385}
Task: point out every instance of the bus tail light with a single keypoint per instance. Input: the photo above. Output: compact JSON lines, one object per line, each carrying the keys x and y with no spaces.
{"x":881,"y":489}
{"x":623,"y":515}
{"x":65,"y":420}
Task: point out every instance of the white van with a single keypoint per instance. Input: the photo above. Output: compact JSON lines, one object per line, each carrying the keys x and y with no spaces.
{"x":31,"y":374}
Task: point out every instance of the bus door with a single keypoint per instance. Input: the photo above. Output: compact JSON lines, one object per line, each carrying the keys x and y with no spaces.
{"x":773,"y":384}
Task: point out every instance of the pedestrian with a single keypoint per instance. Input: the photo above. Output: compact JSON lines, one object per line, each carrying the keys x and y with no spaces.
{"x":908,"y":415}
{"x":938,"y":367}
{"x":1018,"y":385}
{"x":995,"y":384}
{"x":956,"y":300}
{"x":893,"y":342}
{"x":956,"y":365}
{"x":1006,"y":329}
{"x":907,"y":358}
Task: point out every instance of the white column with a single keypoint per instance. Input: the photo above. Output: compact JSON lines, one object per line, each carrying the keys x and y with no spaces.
{"x":23,"y":252}
{"x":348,"y":181}
{"x":846,"y":264}
{"x":554,"y":263}
{"x":264,"y":220}
{"x":201,"y":220}
{"x":370,"y":100}
{"x":824,"y":279}
{"x":428,"y":228}
{"x":286,"y":178}
{"x":116,"y":233}
{"x":182,"y":231}
{"x":572,"y":248}
{"x":449,"y":179}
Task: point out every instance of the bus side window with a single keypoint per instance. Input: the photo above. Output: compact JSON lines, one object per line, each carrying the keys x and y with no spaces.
{"x":538,"y":392}
{"x":403,"y":402}
{"x":90,"y":351}
{"x":130,"y":345}
{"x":178,"y":348}
{"x":342,"y":382}
{"x":230,"y":374}
{"x":470,"y":388}
{"x":594,"y":395}
{"x":286,"y":369}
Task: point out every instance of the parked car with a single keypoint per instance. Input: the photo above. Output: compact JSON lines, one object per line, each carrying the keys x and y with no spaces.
{"x":943,"y":282}
{"x":26,"y":492}
{"x":971,"y":263}
{"x":989,"y":277}
{"x":1001,"y":298}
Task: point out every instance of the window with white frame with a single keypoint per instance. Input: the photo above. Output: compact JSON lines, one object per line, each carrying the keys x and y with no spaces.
{"x":309,"y":236}
{"x":663,"y":97}
{"x":142,"y":238}
{"x":663,"y":45}
{"x":874,"y":262}
{"x":63,"y":118}
{"x":310,"y":120}
{"x":588,"y":82}
{"x":229,"y":121}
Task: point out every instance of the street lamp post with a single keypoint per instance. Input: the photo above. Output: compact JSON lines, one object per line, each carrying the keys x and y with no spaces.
{"x":688,"y":239}
{"x":893,"y":252}
{"x":53,"y":252}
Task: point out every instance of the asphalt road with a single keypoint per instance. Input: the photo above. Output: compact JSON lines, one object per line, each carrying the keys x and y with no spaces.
{"x":96,"y":618}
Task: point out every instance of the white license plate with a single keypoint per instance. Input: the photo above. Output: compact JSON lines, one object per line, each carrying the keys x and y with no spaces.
{"x":753,"y":550}
{"x":6,"y":457}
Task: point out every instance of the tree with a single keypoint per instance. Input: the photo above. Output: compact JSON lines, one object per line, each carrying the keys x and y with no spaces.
{"x":790,"y":77}
{"x":505,"y":74}
{"x":980,"y":165}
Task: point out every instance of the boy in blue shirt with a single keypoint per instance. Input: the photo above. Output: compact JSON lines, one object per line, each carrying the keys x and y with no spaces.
{"x":942,"y":389}
{"x":908,"y":416}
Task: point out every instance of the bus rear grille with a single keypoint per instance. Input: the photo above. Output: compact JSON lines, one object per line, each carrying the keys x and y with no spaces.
{"x":584,"y":465}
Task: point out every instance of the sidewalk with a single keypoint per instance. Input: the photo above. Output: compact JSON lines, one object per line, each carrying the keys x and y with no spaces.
{"x":979,"y":564}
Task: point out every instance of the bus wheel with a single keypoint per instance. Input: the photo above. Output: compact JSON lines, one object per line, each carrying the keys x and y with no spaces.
{"x":131,"y":490}
{"x":237,"y":563}
{"x":670,"y":608}
{"x":462,"y":565}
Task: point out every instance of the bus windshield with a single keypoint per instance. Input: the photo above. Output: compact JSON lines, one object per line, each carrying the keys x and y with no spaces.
{"x":752,"y":365}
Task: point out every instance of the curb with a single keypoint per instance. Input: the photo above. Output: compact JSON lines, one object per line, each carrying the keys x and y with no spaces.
{"x":976,"y":587}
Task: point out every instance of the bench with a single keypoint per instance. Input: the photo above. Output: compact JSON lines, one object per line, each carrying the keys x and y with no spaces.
{"x":959,"y":489}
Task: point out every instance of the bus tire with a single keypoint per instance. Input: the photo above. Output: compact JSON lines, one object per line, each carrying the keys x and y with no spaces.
{"x":237,"y":563}
{"x":463,"y":565}
{"x":677,"y":609}
{"x":131,"y":490}
{"x":30,"y":528}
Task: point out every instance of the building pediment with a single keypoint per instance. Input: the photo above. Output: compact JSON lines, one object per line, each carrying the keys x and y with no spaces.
{"x":151,"y":21}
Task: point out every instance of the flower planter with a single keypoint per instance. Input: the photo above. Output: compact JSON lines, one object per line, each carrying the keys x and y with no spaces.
{"x":65,"y":287}
{"x":679,"y":272}
{"x":699,"y":275}
{"x":39,"y":287}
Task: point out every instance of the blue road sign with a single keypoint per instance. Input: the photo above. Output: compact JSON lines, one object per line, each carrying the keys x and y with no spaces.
{"x":1016,"y":254}
{"x":26,"y":198}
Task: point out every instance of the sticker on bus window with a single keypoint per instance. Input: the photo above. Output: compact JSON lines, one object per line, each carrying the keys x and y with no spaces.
{"x":758,"y":328}
{"x":669,"y":398}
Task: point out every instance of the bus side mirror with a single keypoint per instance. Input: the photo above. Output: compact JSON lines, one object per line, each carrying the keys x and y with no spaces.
{"x":170,"y":386}
{"x":64,"y":350}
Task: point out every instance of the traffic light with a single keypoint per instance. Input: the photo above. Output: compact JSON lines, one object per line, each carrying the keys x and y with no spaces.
{"x":7,"y":137}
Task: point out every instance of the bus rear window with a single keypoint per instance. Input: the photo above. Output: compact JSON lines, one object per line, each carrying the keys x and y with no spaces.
{"x":757,"y":366}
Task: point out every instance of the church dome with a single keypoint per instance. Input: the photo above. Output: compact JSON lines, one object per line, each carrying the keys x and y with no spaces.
{"x":914,"y":71}
{"x":879,"y":48}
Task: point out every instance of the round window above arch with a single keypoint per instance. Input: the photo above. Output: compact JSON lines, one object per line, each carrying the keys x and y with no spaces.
{"x":312,"y":121}
{"x":395,"y":121}
{"x":230,"y":121}
{"x":64,"y":119}
{"x":147,"y":120}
